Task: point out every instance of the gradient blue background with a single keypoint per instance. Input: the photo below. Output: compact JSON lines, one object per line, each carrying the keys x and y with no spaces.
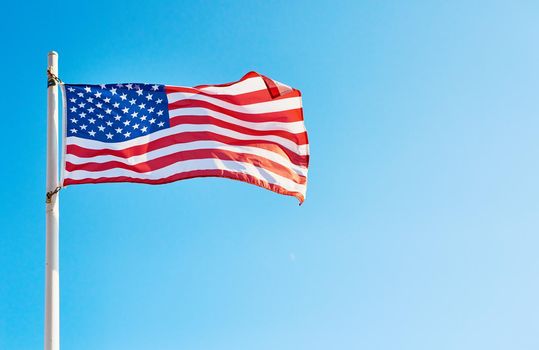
{"x":420,"y":229}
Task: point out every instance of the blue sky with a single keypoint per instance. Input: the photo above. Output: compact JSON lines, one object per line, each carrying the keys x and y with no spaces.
{"x":420,"y":229}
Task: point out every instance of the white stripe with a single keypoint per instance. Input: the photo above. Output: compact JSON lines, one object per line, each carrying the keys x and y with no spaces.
{"x":189,"y":146}
{"x":242,"y":87}
{"x":92,"y":144}
{"x":292,"y":127}
{"x":284,"y":104}
{"x":191,"y":165}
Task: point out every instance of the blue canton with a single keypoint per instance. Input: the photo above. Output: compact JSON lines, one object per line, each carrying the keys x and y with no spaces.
{"x":115,"y":112}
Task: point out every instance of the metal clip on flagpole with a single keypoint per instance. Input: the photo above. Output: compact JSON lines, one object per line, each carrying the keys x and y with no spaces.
{"x":52,"y":78}
{"x":49,"y":194}
{"x":52,"y":273}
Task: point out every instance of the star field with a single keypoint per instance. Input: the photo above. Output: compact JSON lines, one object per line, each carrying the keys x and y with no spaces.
{"x":115,"y":112}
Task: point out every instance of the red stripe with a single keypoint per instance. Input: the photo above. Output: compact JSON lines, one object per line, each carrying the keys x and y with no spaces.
{"x":272,"y":87}
{"x":161,"y":162}
{"x":185,"y":137}
{"x":291,"y":115}
{"x":299,"y":139}
{"x":192,"y":174}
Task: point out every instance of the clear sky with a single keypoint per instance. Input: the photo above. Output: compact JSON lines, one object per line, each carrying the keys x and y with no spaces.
{"x":420,"y":228}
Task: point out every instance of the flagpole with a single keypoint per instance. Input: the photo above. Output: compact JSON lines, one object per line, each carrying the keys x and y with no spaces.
{"x":52,"y":273}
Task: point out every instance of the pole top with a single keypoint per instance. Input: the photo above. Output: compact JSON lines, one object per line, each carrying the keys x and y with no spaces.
{"x":53,"y":53}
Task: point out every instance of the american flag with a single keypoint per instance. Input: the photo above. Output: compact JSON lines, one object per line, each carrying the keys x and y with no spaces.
{"x":251,"y":130}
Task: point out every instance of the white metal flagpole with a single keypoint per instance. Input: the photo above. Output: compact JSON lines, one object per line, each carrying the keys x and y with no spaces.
{"x":52,"y":273}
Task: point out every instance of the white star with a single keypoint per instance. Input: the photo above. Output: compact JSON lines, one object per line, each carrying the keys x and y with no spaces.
{"x":73,"y":100}
{"x":155,"y":87}
{"x":74,"y":120}
{"x":92,"y":133}
{"x":119,"y":130}
{"x":134,"y":114}
{"x":118,"y":118}
{"x":127,"y":122}
{"x":133,"y":101}
{"x":149,"y":97}
{"x":160,"y":113}
{"x":90,"y":99}
{"x":129,"y":86}
{"x":135,"y":126}
{"x":101,"y":128}
{"x":109,"y":123}
{"x":141,"y":106}
{"x":143,"y":129}
{"x":83,"y":127}
{"x":100,"y":116}
{"x":73,"y":109}
{"x":82,"y":104}
{"x":116,"y":104}
{"x":99,"y":105}
{"x":91,"y":120}
{"x":119,"y":85}
{"x":82,"y":115}
{"x":127,"y":134}
{"x":97,"y":94}
{"x":80,"y":94}
{"x":106,"y":99}
{"x":108,"y":111}
{"x":91,"y":109}
{"x":113,"y":91}
{"x":103,"y":86}
{"x":74,"y":131}
{"x":88,"y":89}
{"x":123,"y":97}
{"x":159,"y":101}
{"x":151,"y":109}
{"x":140,"y":92}
{"x":125,"y":110}
{"x":143,"y":118}
{"x":71,"y":89}
{"x":160,"y":124}
{"x":152,"y":120}
{"x":109,"y":135}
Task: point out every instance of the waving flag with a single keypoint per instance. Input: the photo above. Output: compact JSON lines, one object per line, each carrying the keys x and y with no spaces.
{"x":251,"y":130}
